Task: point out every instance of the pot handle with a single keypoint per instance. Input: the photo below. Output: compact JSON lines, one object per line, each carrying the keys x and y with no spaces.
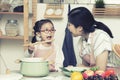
{"x":18,"y":61}
{"x":51,"y":62}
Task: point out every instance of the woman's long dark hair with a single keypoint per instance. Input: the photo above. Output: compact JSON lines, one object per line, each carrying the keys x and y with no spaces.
{"x":81,"y":16}
{"x":37,"y":27}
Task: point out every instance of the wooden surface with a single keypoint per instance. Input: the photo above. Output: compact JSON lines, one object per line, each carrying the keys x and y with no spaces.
{"x":26,"y":22}
{"x":54,"y":7}
{"x":34,"y":11}
{"x":106,"y":11}
{"x":14,"y":37}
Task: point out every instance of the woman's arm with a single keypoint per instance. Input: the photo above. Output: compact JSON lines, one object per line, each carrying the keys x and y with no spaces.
{"x":101,"y":60}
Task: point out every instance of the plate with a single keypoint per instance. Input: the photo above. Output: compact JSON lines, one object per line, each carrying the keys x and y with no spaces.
{"x":58,"y":11}
{"x":68,"y":70}
{"x":50,"y":11}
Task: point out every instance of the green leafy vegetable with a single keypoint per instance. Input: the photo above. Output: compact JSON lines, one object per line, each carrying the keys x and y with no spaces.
{"x":64,"y":69}
{"x":94,"y":68}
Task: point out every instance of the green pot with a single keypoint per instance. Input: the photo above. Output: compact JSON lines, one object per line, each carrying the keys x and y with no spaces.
{"x":34,"y":67}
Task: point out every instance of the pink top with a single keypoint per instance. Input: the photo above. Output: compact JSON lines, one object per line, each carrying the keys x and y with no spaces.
{"x":52,"y":54}
{"x":47,"y":53}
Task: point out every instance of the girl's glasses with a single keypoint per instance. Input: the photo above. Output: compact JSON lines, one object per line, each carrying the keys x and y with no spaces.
{"x":48,"y":31}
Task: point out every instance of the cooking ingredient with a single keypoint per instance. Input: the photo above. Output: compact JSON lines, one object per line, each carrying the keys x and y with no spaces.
{"x":94,"y":68}
{"x":100,"y":72}
{"x":85,"y":75}
{"x":76,"y":76}
{"x":109,"y":72}
{"x":89,"y":73}
{"x":64,"y":69}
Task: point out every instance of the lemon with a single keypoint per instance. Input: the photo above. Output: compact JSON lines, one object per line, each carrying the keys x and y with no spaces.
{"x":76,"y":76}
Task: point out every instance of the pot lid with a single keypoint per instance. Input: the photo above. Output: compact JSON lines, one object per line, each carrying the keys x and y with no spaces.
{"x":11,"y":76}
{"x":32,"y":60}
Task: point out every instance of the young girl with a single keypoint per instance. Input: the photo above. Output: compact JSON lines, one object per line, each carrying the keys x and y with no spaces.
{"x":44,"y":32}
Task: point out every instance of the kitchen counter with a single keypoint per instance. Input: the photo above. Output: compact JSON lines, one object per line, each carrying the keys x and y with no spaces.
{"x":16,"y":75}
{"x":51,"y":76}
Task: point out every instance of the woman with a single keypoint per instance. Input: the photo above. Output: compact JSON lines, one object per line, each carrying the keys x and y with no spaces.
{"x":44,"y":32}
{"x":95,"y":41}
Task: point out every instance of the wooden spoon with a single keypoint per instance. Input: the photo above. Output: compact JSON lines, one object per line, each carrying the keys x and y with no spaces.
{"x":29,"y":44}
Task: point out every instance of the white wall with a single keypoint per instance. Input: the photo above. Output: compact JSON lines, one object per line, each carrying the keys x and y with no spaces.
{"x":13,"y":49}
{"x":60,"y":24}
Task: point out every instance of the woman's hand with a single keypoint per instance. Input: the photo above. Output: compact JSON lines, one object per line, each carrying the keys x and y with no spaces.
{"x":81,"y":65}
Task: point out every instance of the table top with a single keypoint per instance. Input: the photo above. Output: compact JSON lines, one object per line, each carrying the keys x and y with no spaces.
{"x":51,"y":76}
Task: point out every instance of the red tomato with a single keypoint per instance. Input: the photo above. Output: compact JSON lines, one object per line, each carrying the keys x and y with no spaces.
{"x":100,"y":72}
{"x":109,"y":72}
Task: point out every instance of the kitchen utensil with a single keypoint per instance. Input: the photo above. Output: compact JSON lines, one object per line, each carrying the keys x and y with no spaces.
{"x":18,"y":9}
{"x":58,"y":11}
{"x":49,"y":11}
{"x":38,"y":42}
{"x":11,"y":28}
{"x":34,"y":67}
{"x":54,"y":10}
{"x":5,"y":7}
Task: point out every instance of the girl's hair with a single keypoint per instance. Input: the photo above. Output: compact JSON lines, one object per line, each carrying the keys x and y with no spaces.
{"x":81,"y":16}
{"x":37,"y":27}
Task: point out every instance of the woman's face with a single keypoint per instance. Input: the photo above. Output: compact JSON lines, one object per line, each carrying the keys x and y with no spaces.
{"x":75,"y":31}
{"x":47,"y":32}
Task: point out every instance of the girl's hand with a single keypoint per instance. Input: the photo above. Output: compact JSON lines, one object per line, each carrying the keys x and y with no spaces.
{"x":52,"y":67}
{"x":31,"y":47}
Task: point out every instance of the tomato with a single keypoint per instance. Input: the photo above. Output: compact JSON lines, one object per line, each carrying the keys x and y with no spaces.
{"x":109,"y":72}
{"x":100,"y":72}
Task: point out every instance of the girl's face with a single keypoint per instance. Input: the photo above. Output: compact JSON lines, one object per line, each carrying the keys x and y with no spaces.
{"x":75,"y":31}
{"x":47,"y":31}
